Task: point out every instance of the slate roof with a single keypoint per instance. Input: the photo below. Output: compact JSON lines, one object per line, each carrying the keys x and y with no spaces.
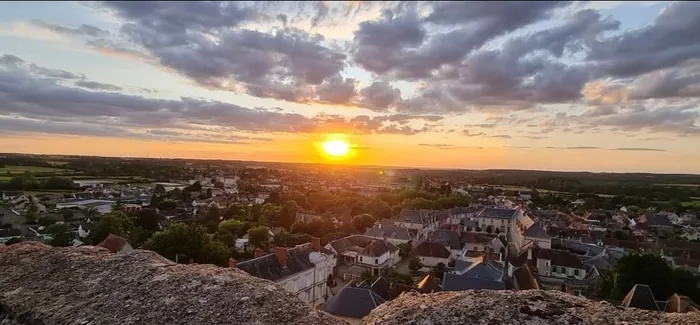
{"x":497,"y":213}
{"x":428,"y":284}
{"x":658,"y":219}
{"x":382,"y":287}
{"x":473,"y":238}
{"x":113,"y":242}
{"x":561,"y":258}
{"x":536,"y":231}
{"x":353,"y":302}
{"x":640,"y":297}
{"x":446,"y":237}
{"x":389,"y":232}
{"x":454,"y":282}
{"x":268,"y":267}
{"x":432,"y":249}
{"x":484,"y":268}
{"x":363,"y":245}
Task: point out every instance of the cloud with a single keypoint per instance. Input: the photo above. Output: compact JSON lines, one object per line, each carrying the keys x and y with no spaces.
{"x":82,"y":30}
{"x":97,"y":85}
{"x":640,"y":149}
{"x":29,"y":97}
{"x":501,"y":136}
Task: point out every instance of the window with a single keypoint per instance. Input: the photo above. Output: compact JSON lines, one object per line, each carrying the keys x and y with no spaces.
{"x":554,"y":269}
{"x":576,"y":272}
{"x":360,"y":258}
{"x":376,"y":261}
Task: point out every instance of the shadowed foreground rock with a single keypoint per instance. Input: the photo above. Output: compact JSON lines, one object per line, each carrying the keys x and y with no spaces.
{"x":507,"y":307}
{"x":89,"y":285}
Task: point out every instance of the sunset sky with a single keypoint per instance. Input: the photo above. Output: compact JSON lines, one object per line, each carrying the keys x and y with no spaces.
{"x":599,"y":86}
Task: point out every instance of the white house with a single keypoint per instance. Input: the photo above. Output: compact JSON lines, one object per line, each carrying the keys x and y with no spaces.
{"x":423,"y":221}
{"x":560,"y":264}
{"x":430,"y":254}
{"x":302,"y":270}
{"x":395,"y":235}
{"x":365,"y":252}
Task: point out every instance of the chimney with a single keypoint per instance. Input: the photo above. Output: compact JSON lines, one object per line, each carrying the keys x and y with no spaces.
{"x":316,"y":244}
{"x":259,"y":252}
{"x":231,"y":263}
{"x":281,"y":254}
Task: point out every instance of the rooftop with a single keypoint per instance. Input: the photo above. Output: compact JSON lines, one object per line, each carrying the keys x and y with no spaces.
{"x":497,"y":213}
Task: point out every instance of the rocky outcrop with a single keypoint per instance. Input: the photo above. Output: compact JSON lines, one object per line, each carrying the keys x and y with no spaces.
{"x":41,"y":285}
{"x":530,"y":307}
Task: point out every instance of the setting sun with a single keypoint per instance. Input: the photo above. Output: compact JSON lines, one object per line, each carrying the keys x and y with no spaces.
{"x":337,"y":148}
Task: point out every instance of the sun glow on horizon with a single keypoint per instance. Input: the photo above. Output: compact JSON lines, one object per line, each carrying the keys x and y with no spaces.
{"x":336,"y":148}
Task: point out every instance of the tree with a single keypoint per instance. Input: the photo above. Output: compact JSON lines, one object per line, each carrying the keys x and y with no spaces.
{"x":212,"y":218}
{"x":112,"y":223}
{"x":234,"y":227}
{"x":287,"y":214}
{"x":634,"y":269}
{"x":159,"y":190}
{"x":439,"y":271}
{"x":181,"y":242}
{"x":405,"y":250}
{"x":379,"y":209}
{"x":148,"y":219}
{"x":259,"y":237}
{"x":46,"y":221}
{"x":90,"y":212}
{"x":269,"y":212}
{"x":235,"y":211}
{"x":13,"y":240}
{"x":31,"y":217}
{"x":414,"y":264}
{"x":298,"y":226}
{"x":314,"y":226}
{"x":61,"y":235}
{"x":118,"y":205}
{"x":362,"y":222}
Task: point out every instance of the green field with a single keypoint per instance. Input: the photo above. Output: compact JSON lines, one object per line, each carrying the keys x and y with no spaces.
{"x":689,"y":204}
{"x":32,"y":169}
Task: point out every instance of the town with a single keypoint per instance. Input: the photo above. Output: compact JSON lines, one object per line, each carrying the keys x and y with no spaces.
{"x":348,"y":239}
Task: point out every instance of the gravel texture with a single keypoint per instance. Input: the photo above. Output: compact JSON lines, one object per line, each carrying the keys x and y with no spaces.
{"x":529,"y":307}
{"x":41,"y":285}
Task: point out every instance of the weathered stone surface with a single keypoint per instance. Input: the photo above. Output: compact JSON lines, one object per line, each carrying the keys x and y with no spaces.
{"x":90,"y":286}
{"x":507,"y":307}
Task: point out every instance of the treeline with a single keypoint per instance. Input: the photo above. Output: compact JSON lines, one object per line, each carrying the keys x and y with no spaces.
{"x":28,"y":181}
{"x":23,"y":161}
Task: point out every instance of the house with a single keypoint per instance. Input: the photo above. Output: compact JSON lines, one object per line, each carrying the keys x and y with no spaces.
{"x":660,"y":221}
{"x":423,"y":221}
{"x":7,"y":234}
{"x":460,"y":213}
{"x":359,"y":253}
{"x":395,"y":235}
{"x":559,"y":263}
{"x":479,"y":267}
{"x":430,"y":254}
{"x":352,"y":303}
{"x":691,"y":234}
{"x":84,"y":229}
{"x":9,"y":195}
{"x":451,"y":240}
{"x":538,"y":235}
{"x":302,"y":270}
{"x":116,"y":244}
{"x":474,"y":242}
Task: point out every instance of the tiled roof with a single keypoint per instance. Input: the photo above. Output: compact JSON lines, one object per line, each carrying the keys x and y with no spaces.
{"x":432,"y":249}
{"x":113,"y":242}
{"x":268,"y":267}
{"x":658,"y":219}
{"x":484,"y":268}
{"x":536,"y":231}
